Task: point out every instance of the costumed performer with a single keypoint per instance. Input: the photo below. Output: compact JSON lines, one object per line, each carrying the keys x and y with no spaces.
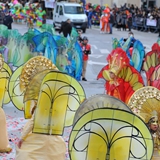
{"x":145,"y":102}
{"x":33,"y":146}
{"x":153,"y":126}
{"x":105,"y":21}
{"x":15,"y":2}
{"x":4,"y":143}
{"x":121,"y":79}
{"x":151,"y":66}
{"x":101,"y":23}
{"x":40,"y":16}
{"x":30,"y":16}
{"x":41,"y":144}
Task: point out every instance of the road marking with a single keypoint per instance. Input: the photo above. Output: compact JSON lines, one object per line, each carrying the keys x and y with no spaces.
{"x":92,"y":51}
{"x":104,"y":51}
{"x":98,"y":63}
{"x":95,"y":47}
{"x":95,"y":56}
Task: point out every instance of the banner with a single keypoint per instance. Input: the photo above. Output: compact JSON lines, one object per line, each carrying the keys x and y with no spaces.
{"x":151,"y":22}
{"x":49,"y":3}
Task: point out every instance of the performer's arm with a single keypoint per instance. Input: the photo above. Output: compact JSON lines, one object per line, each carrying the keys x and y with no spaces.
{"x":27,"y":128}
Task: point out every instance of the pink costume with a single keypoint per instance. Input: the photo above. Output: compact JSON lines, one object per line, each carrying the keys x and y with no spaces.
{"x":15,"y":2}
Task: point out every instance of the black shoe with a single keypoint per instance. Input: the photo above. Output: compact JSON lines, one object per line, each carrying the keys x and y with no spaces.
{"x":84,"y":79}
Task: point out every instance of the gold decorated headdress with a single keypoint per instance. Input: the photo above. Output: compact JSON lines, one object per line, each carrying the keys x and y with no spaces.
{"x":32,"y":67}
{"x":146,"y":103}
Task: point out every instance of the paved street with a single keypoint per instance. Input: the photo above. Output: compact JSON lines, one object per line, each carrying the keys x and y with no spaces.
{"x":101,"y":47}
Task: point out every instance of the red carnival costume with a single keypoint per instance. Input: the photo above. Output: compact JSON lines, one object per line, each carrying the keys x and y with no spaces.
{"x":151,"y":66}
{"x":122,"y":80}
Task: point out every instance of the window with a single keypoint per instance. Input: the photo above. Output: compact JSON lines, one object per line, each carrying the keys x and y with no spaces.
{"x":151,"y":3}
{"x":57,"y":9}
{"x":73,"y":10}
{"x":60,"y":10}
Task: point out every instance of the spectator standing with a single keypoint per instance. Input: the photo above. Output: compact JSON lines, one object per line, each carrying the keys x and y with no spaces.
{"x":111,"y":21}
{"x":2,"y":15}
{"x":124,"y":20}
{"x":86,"y":48}
{"x":158,"y":26}
{"x":119,"y":20}
{"x":66,"y":28}
{"x":90,"y":13}
{"x":130,"y":22}
{"x":80,"y":39}
{"x":8,"y":20}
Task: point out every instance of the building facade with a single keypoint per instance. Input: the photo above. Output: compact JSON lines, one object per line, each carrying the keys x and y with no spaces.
{"x":146,"y":3}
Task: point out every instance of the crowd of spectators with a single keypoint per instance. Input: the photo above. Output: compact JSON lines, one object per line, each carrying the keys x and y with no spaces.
{"x":131,"y":17}
{"x":143,"y":19}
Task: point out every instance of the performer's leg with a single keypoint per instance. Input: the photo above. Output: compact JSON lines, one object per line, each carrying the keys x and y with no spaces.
{"x":84,"y":70}
{"x":102,"y":29}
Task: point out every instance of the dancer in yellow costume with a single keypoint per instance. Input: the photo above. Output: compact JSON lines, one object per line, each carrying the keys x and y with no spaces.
{"x":145,"y":102}
{"x":34,"y":146}
{"x":37,"y":146}
{"x":4,"y":143}
{"x":51,"y":99}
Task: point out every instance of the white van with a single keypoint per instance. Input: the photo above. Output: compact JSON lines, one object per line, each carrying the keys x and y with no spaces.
{"x":72,"y":11}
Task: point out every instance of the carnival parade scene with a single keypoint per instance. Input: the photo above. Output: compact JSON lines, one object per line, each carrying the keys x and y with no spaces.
{"x":79,"y":80}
